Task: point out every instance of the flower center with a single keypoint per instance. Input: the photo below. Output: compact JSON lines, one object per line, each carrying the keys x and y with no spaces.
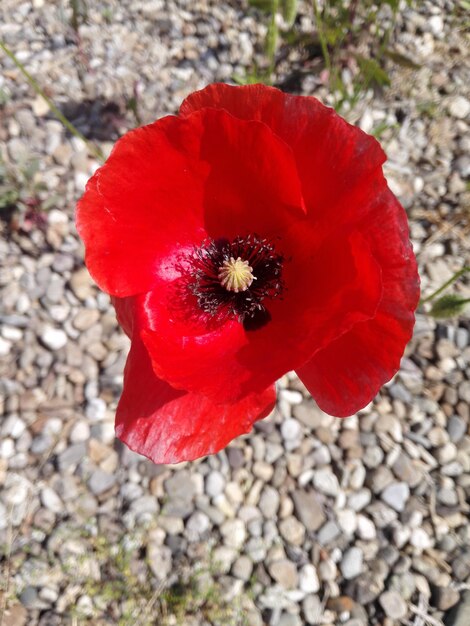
{"x":236,"y":279}
{"x":236,"y":275}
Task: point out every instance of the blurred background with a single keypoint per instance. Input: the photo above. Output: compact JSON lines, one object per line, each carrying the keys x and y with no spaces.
{"x":309,"y":519}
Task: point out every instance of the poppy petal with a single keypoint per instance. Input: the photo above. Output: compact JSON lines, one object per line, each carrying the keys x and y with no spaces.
{"x":209,"y":174}
{"x":324,"y":300}
{"x":332,"y":156}
{"x":346,"y":375}
{"x":170,"y":426}
{"x":253,"y":185}
{"x":139,"y":206}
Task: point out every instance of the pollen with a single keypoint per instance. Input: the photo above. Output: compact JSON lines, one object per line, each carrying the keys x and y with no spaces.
{"x":236,"y":275}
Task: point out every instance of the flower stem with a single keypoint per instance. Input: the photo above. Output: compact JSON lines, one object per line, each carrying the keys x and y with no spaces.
{"x":321,"y":37}
{"x":60,"y":116}
{"x":451,"y":280}
{"x":321,"y":29}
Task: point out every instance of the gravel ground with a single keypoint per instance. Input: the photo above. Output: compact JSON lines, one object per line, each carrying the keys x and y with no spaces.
{"x":309,"y":519}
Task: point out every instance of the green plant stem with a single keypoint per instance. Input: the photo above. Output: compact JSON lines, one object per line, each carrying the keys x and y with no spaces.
{"x":272,"y":38}
{"x":60,"y":116}
{"x":321,"y":36}
{"x":325,"y":52}
{"x":443,"y":287}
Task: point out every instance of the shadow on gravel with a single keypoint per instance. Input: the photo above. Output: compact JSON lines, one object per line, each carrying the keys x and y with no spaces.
{"x":100,"y":119}
{"x":460,"y":614}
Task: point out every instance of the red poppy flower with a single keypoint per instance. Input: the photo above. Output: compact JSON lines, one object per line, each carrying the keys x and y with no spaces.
{"x":250,"y":235}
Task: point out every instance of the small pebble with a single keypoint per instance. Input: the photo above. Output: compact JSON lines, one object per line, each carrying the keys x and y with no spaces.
{"x":393,"y":605}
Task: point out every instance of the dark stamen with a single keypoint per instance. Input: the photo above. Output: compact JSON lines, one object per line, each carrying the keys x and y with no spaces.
{"x":257,"y":269}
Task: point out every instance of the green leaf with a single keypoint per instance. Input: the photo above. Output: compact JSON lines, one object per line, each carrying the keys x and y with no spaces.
{"x":401,"y":59}
{"x":372,"y":72}
{"x":450,"y":305}
{"x":393,"y":4}
{"x":4,"y":97}
{"x":429,"y":108}
{"x":381,"y":127}
{"x":8,"y":197}
{"x":334,"y":35}
{"x":254,"y":76}
{"x":30,"y":169}
{"x":261,"y":5}
{"x":289,"y":11}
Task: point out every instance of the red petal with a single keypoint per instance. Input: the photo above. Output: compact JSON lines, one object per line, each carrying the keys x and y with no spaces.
{"x":343,"y":187}
{"x":167,"y":185}
{"x":125,"y":312}
{"x":337,"y":287}
{"x":225,"y":362}
{"x":170,"y":426}
{"x":142,"y":204}
{"x":347,"y":374}
{"x":253,"y":185}
{"x":332,"y":156}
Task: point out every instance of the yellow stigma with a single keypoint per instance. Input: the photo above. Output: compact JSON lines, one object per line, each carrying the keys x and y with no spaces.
{"x":236,"y":275}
